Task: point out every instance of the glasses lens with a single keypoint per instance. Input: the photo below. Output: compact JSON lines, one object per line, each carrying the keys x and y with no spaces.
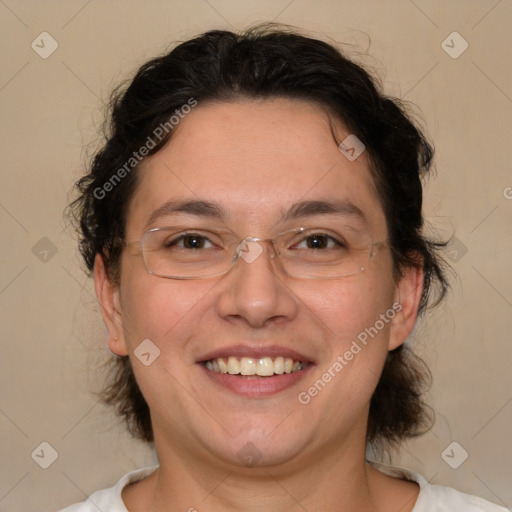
{"x":319,"y":253}
{"x":185,"y":252}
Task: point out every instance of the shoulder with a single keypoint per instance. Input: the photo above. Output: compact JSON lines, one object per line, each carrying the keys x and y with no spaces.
{"x":110,"y":500}
{"x":437,"y":498}
{"x":446,"y":499}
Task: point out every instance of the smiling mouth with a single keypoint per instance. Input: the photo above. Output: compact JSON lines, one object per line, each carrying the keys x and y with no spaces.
{"x":255,"y":366}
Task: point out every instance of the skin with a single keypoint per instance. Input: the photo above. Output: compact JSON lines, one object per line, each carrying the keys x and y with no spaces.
{"x":256,"y":157}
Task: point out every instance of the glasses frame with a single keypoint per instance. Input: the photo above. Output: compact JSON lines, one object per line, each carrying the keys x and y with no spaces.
{"x":237,"y":255}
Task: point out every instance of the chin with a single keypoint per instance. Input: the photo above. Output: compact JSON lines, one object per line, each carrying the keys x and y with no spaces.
{"x":258,"y":444}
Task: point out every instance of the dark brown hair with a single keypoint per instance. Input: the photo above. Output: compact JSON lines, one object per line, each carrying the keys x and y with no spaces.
{"x":270,"y":61}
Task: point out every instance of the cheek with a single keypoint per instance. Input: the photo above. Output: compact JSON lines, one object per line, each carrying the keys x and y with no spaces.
{"x":168,"y":314}
{"x":350,"y":307}
{"x":356,"y":316}
{"x":159,"y":309}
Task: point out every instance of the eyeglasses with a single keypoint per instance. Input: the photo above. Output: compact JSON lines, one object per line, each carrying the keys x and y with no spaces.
{"x":309,"y":253}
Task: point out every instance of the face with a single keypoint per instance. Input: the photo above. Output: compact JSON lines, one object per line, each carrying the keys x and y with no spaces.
{"x":257,"y":160}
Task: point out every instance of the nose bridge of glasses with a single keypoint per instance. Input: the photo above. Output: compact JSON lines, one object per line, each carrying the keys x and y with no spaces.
{"x":250,"y":248}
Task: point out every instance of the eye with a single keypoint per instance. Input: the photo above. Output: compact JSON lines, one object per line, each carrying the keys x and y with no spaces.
{"x":189,"y":241}
{"x":318,"y":241}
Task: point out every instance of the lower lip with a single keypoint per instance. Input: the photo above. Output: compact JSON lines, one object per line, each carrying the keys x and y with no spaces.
{"x":259,"y":387}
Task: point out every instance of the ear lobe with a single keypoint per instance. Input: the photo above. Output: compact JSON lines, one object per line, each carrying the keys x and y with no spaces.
{"x":108,"y":298}
{"x":407,"y":299}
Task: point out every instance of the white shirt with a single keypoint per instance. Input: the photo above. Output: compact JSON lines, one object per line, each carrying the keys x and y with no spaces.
{"x":431,"y":498}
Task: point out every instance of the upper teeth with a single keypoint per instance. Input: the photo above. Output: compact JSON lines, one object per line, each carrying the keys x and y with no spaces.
{"x":263,"y":366}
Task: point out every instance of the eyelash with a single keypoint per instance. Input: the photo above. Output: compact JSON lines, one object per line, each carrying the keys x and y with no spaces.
{"x":175,"y":241}
{"x":182,"y":237}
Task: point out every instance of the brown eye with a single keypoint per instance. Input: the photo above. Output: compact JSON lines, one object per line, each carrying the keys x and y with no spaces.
{"x":317,"y":241}
{"x":189,"y":241}
{"x":193,"y":242}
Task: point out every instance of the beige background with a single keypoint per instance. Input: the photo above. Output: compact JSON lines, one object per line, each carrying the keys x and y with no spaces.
{"x":51,"y":335}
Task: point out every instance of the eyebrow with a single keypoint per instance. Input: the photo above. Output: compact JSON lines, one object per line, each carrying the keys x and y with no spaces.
{"x":302,"y":209}
{"x":199,"y":208}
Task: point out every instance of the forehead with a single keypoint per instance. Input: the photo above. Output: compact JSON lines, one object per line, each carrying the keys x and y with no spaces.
{"x":256,"y":158}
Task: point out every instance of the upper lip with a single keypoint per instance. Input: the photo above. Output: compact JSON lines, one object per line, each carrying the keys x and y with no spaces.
{"x":255,"y":352}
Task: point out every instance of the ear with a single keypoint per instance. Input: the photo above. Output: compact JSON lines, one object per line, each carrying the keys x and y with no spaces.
{"x":406,"y":302}
{"x":108,"y":297}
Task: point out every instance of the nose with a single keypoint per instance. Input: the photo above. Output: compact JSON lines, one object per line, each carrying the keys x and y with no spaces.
{"x":254,"y":290}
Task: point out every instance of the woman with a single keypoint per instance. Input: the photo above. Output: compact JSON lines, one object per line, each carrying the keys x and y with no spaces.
{"x":255,"y":230}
